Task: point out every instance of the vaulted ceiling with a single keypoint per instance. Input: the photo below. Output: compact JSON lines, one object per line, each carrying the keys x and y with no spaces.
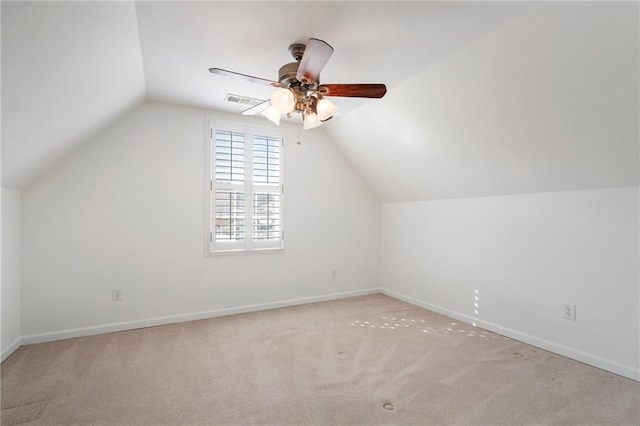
{"x":484,"y":98}
{"x":69,"y":69}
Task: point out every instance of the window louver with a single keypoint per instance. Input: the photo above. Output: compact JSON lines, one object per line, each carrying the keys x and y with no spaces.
{"x":229,"y":216}
{"x":266,"y":216}
{"x":266,"y":160}
{"x":230,"y":157}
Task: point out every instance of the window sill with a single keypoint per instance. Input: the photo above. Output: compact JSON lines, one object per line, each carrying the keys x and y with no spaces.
{"x":244,"y":251}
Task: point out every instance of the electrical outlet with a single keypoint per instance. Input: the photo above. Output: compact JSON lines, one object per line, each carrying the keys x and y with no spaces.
{"x":334,"y":274}
{"x":569,"y":312}
{"x":116,"y":294}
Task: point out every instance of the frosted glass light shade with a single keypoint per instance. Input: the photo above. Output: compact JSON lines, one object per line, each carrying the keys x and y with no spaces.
{"x":283,"y":101}
{"x":272,"y":114}
{"x":326,"y":109}
{"x":311,"y":121}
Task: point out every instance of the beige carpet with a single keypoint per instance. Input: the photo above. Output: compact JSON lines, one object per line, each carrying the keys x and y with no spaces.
{"x":365,"y":360}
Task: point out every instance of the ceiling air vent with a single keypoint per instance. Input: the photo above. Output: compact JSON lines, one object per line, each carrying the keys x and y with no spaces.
{"x":243,"y":100}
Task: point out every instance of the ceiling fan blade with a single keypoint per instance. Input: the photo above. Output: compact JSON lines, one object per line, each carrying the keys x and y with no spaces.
{"x":353,"y":90}
{"x":257,"y":108}
{"x":315,"y":57}
{"x":252,"y":79}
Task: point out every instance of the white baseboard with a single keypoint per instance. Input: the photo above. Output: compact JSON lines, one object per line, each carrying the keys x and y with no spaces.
{"x":172,"y":319}
{"x":622,"y":370}
{"x":11,"y":348}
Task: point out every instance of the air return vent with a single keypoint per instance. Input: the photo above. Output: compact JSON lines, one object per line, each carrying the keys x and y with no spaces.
{"x":243,"y":100}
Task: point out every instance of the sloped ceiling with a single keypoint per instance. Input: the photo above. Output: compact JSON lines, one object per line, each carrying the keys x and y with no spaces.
{"x":69,"y":69}
{"x":484,"y":98}
{"x":548,"y":102}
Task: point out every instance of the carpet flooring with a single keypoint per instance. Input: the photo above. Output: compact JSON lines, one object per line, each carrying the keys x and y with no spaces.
{"x":370,"y":360}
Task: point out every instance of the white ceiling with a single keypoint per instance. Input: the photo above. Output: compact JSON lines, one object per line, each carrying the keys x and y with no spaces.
{"x":69,"y":69}
{"x":484,"y":98}
{"x":383,"y":42}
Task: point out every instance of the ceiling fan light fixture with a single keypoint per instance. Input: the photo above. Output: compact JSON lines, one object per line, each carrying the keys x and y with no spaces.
{"x":283,"y":100}
{"x":325,"y":109}
{"x":272,"y":114}
{"x":310,"y":121}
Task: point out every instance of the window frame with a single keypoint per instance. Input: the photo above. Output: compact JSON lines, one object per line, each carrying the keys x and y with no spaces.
{"x":249,"y":244}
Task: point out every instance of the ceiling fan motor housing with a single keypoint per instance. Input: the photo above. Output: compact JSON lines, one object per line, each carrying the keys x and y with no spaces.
{"x":287,"y":74}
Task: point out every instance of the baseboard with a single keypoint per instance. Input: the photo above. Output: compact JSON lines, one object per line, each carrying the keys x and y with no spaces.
{"x":172,"y":319}
{"x":613,"y":367}
{"x":6,"y":353}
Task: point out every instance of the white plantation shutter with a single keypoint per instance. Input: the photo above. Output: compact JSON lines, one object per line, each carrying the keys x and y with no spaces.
{"x":267,"y":189}
{"x":228,"y":189}
{"x":246,"y":197}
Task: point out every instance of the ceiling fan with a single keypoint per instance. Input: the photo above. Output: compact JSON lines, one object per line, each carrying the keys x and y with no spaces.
{"x":299,"y":86}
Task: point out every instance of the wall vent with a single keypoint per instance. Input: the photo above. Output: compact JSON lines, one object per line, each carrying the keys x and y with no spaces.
{"x":244,"y":100}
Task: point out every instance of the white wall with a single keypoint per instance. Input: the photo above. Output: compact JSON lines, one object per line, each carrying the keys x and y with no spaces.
{"x":527,"y":255}
{"x":128,"y":210}
{"x":10,"y":271}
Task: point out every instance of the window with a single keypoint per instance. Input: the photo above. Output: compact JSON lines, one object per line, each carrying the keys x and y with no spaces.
{"x":246,"y":189}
